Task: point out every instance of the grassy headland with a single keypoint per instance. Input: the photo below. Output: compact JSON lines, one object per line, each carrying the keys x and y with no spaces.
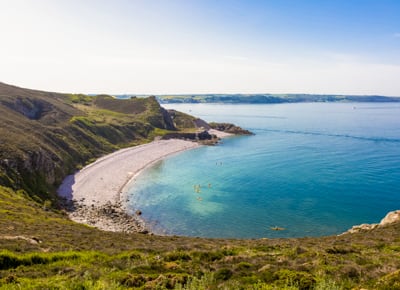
{"x":45,"y":136}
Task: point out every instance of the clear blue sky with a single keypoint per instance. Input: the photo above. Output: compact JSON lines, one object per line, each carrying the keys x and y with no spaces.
{"x":187,"y":46}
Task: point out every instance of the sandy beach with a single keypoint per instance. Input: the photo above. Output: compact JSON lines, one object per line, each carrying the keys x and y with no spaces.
{"x":96,"y":193}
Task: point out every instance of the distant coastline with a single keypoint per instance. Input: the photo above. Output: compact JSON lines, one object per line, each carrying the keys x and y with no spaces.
{"x":271,"y":98}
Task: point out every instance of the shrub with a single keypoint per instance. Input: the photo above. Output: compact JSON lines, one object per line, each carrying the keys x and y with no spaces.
{"x":205,"y":282}
{"x":210,"y":256}
{"x":223,"y":274}
{"x":244,"y":266}
{"x":177,"y":256}
{"x":390,"y":281}
{"x":133,"y":280}
{"x":8,"y":260}
{"x":302,"y":280}
{"x":47,"y":204}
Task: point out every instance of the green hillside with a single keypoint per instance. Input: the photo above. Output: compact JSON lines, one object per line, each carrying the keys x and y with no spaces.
{"x":45,"y":136}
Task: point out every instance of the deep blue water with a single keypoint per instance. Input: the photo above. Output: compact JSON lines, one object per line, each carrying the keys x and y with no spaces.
{"x":312,"y":168}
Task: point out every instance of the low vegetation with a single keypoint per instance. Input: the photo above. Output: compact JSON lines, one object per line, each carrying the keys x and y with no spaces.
{"x":44,"y":136}
{"x":67,"y":255}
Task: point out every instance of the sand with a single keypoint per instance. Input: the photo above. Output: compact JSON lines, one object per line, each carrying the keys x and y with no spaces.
{"x":97,"y":191}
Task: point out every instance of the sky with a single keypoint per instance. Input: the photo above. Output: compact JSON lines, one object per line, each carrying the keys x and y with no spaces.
{"x":202,"y":46}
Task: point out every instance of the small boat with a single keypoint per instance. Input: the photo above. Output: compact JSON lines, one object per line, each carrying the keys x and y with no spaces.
{"x":277,"y":228}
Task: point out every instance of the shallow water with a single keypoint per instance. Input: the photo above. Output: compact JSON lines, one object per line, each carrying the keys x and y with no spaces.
{"x":314,"y":169}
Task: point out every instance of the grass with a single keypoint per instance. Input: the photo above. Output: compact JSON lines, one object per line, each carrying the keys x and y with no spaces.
{"x":146,"y":269}
{"x":72,"y":256}
{"x":40,"y":248}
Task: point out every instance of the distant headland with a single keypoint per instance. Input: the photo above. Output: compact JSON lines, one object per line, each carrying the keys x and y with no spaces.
{"x":271,"y":98}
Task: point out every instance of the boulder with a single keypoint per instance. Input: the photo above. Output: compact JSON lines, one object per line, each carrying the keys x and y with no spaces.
{"x":391,"y":217}
{"x":362,"y":227}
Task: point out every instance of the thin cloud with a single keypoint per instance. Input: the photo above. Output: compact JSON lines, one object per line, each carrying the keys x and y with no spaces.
{"x":396,"y":35}
{"x":236,"y":57}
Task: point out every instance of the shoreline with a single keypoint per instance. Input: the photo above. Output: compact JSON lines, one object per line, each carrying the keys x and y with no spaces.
{"x":96,"y":195}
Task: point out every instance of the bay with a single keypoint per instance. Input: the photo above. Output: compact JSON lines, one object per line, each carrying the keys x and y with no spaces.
{"x":312,"y":168}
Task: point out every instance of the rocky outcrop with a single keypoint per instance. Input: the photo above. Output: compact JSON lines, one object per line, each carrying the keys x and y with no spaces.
{"x":230,"y":128}
{"x":361,"y":228}
{"x":199,"y":123}
{"x":211,"y":132}
{"x":181,"y":120}
{"x":33,"y":171}
{"x":32,"y":109}
{"x":31,"y":240}
{"x":391,"y":217}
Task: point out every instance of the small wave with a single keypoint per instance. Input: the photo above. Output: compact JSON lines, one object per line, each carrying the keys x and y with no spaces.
{"x":261,"y":117}
{"x":373,"y":139}
{"x":244,"y":116}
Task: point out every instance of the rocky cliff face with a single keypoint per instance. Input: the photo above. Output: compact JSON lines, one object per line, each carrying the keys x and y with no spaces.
{"x":181,"y":120}
{"x":31,"y":109}
{"x":34,"y":171}
{"x":162,"y":120}
{"x":169,"y":123}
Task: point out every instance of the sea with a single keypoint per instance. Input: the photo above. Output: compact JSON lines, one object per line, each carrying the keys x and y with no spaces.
{"x":311,"y":169}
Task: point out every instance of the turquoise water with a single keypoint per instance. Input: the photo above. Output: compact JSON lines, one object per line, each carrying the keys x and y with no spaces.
{"x":314,"y":169}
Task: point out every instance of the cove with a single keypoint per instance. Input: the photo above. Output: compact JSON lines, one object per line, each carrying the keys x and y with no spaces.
{"x":313,"y":169}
